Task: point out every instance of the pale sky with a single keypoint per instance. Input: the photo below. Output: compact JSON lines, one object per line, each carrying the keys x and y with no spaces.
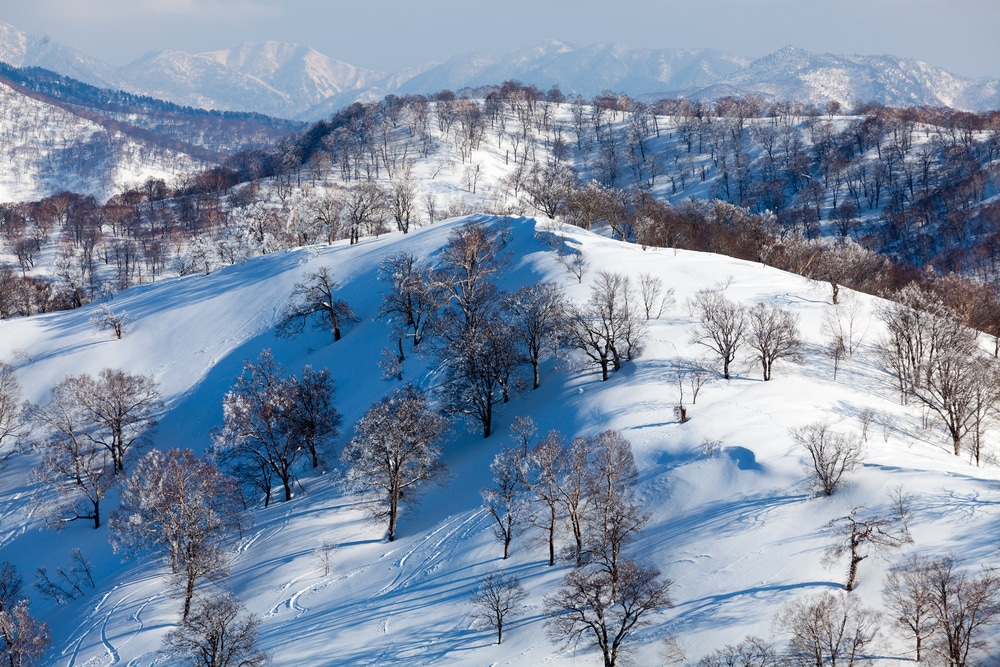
{"x":962,"y":36}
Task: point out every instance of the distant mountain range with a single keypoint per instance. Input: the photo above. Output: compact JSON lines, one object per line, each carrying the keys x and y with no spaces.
{"x":292,"y":81}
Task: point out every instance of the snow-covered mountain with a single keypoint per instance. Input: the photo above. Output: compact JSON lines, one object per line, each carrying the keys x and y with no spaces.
{"x":734,"y":521}
{"x":796,"y":74}
{"x":294,"y":81}
{"x":275,"y":78}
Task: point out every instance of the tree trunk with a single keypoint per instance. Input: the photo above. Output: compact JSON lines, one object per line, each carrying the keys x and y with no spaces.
{"x":286,"y":484}
{"x":393,"y":511}
{"x":534,"y":367}
{"x":552,"y":537}
{"x":188,"y":595}
{"x":604,"y":370}
{"x":956,"y":442}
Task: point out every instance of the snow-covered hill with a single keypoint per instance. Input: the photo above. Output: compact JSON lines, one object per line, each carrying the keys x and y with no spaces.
{"x":735,"y":524}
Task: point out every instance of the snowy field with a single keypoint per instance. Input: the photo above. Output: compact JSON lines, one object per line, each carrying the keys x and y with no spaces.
{"x":737,"y":526}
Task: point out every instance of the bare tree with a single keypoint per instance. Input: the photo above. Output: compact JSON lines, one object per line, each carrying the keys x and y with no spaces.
{"x":722,"y":326}
{"x":606,"y":609}
{"x":395,"y":450}
{"x":412,"y":298}
{"x":654,"y":298}
{"x":365,"y":209}
{"x":615,"y":516}
{"x":260,"y":439}
{"x":773,"y":334}
{"x":544,"y":462}
{"x":219,"y":632}
{"x":313,"y":416}
{"x":606,"y":329}
{"x":23,"y":640}
{"x":749,"y":652}
{"x":470,"y":263}
{"x":117,"y":411}
{"x":11,"y":585}
{"x":908,"y":596}
{"x":860,"y":536}
{"x":498,"y":598}
{"x":831,"y":454}
{"x":402,"y":202}
{"x":13,"y":426}
{"x":316,"y":296}
{"x":537,"y":315}
{"x":829,"y":629}
{"x":505,"y":497}
{"x":182,"y":509}
{"x":105,"y":318}
{"x":964,"y":606}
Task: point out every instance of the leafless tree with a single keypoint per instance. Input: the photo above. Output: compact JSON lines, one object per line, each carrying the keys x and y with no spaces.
{"x":722,"y":326}
{"x":506,"y":496}
{"x":964,"y":606}
{"x":412,"y":298}
{"x":219,"y":632}
{"x":547,"y":186}
{"x":261,"y":439}
{"x":654,"y":298}
{"x":537,"y":316}
{"x":313,"y":416}
{"x":13,"y":426}
{"x":614,"y":516}
{"x":773,"y":334}
{"x":606,"y":329}
{"x":182,"y":509}
{"x":11,"y":585}
{"x":317,"y":295}
{"x":749,"y":652}
{"x":395,"y":450}
{"x":606,"y":609}
{"x":498,"y":598}
{"x":907,"y":595}
{"x":831,"y":454}
{"x":365,"y":210}
{"x":544,"y":463}
{"x":470,"y":263}
{"x":116,"y":411}
{"x":23,"y":640}
{"x":859,"y":536}
{"x":829,"y":629}
{"x":480,"y":371}
{"x":402,"y":202}
{"x":105,"y":318}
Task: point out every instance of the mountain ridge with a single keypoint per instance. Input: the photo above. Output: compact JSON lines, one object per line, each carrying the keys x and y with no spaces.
{"x":294,"y":81}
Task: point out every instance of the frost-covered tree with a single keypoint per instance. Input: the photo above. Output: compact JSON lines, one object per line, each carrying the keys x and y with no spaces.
{"x":116,"y":411}
{"x":606,"y":609}
{"x":505,"y":497}
{"x":23,"y":640}
{"x":181,"y":509}
{"x":829,"y":629}
{"x":412,"y":298}
{"x":606,"y":329}
{"x":536,"y":315}
{"x":394,"y":451}
{"x":13,"y":425}
{"x":831,"y":454}
{"x":316,"y":298}
{"x":271,"y":421}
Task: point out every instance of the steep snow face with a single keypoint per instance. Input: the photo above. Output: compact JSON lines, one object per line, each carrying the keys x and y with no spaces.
{"x":734,"y":519}
{"x":22,"y":50}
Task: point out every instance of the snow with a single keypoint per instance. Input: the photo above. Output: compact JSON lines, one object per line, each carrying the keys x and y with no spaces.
{"x":740,"y":532}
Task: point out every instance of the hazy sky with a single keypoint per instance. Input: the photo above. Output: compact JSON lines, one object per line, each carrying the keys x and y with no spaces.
{"x":962,"y":36}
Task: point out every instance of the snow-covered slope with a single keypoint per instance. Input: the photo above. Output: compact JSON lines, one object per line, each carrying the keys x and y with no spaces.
{"x":735,"y":525}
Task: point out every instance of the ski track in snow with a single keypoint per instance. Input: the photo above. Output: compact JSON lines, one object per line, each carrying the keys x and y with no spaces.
{"x":103,"y":619}
{"x":430,"y":557}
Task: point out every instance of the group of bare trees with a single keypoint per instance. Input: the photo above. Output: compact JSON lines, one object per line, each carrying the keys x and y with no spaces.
{"x":272,"y":421}
{"x":725,"y":326}
{"x":938,"y":361}
{"x":589,"y":486}
{"x":173,"y":505}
